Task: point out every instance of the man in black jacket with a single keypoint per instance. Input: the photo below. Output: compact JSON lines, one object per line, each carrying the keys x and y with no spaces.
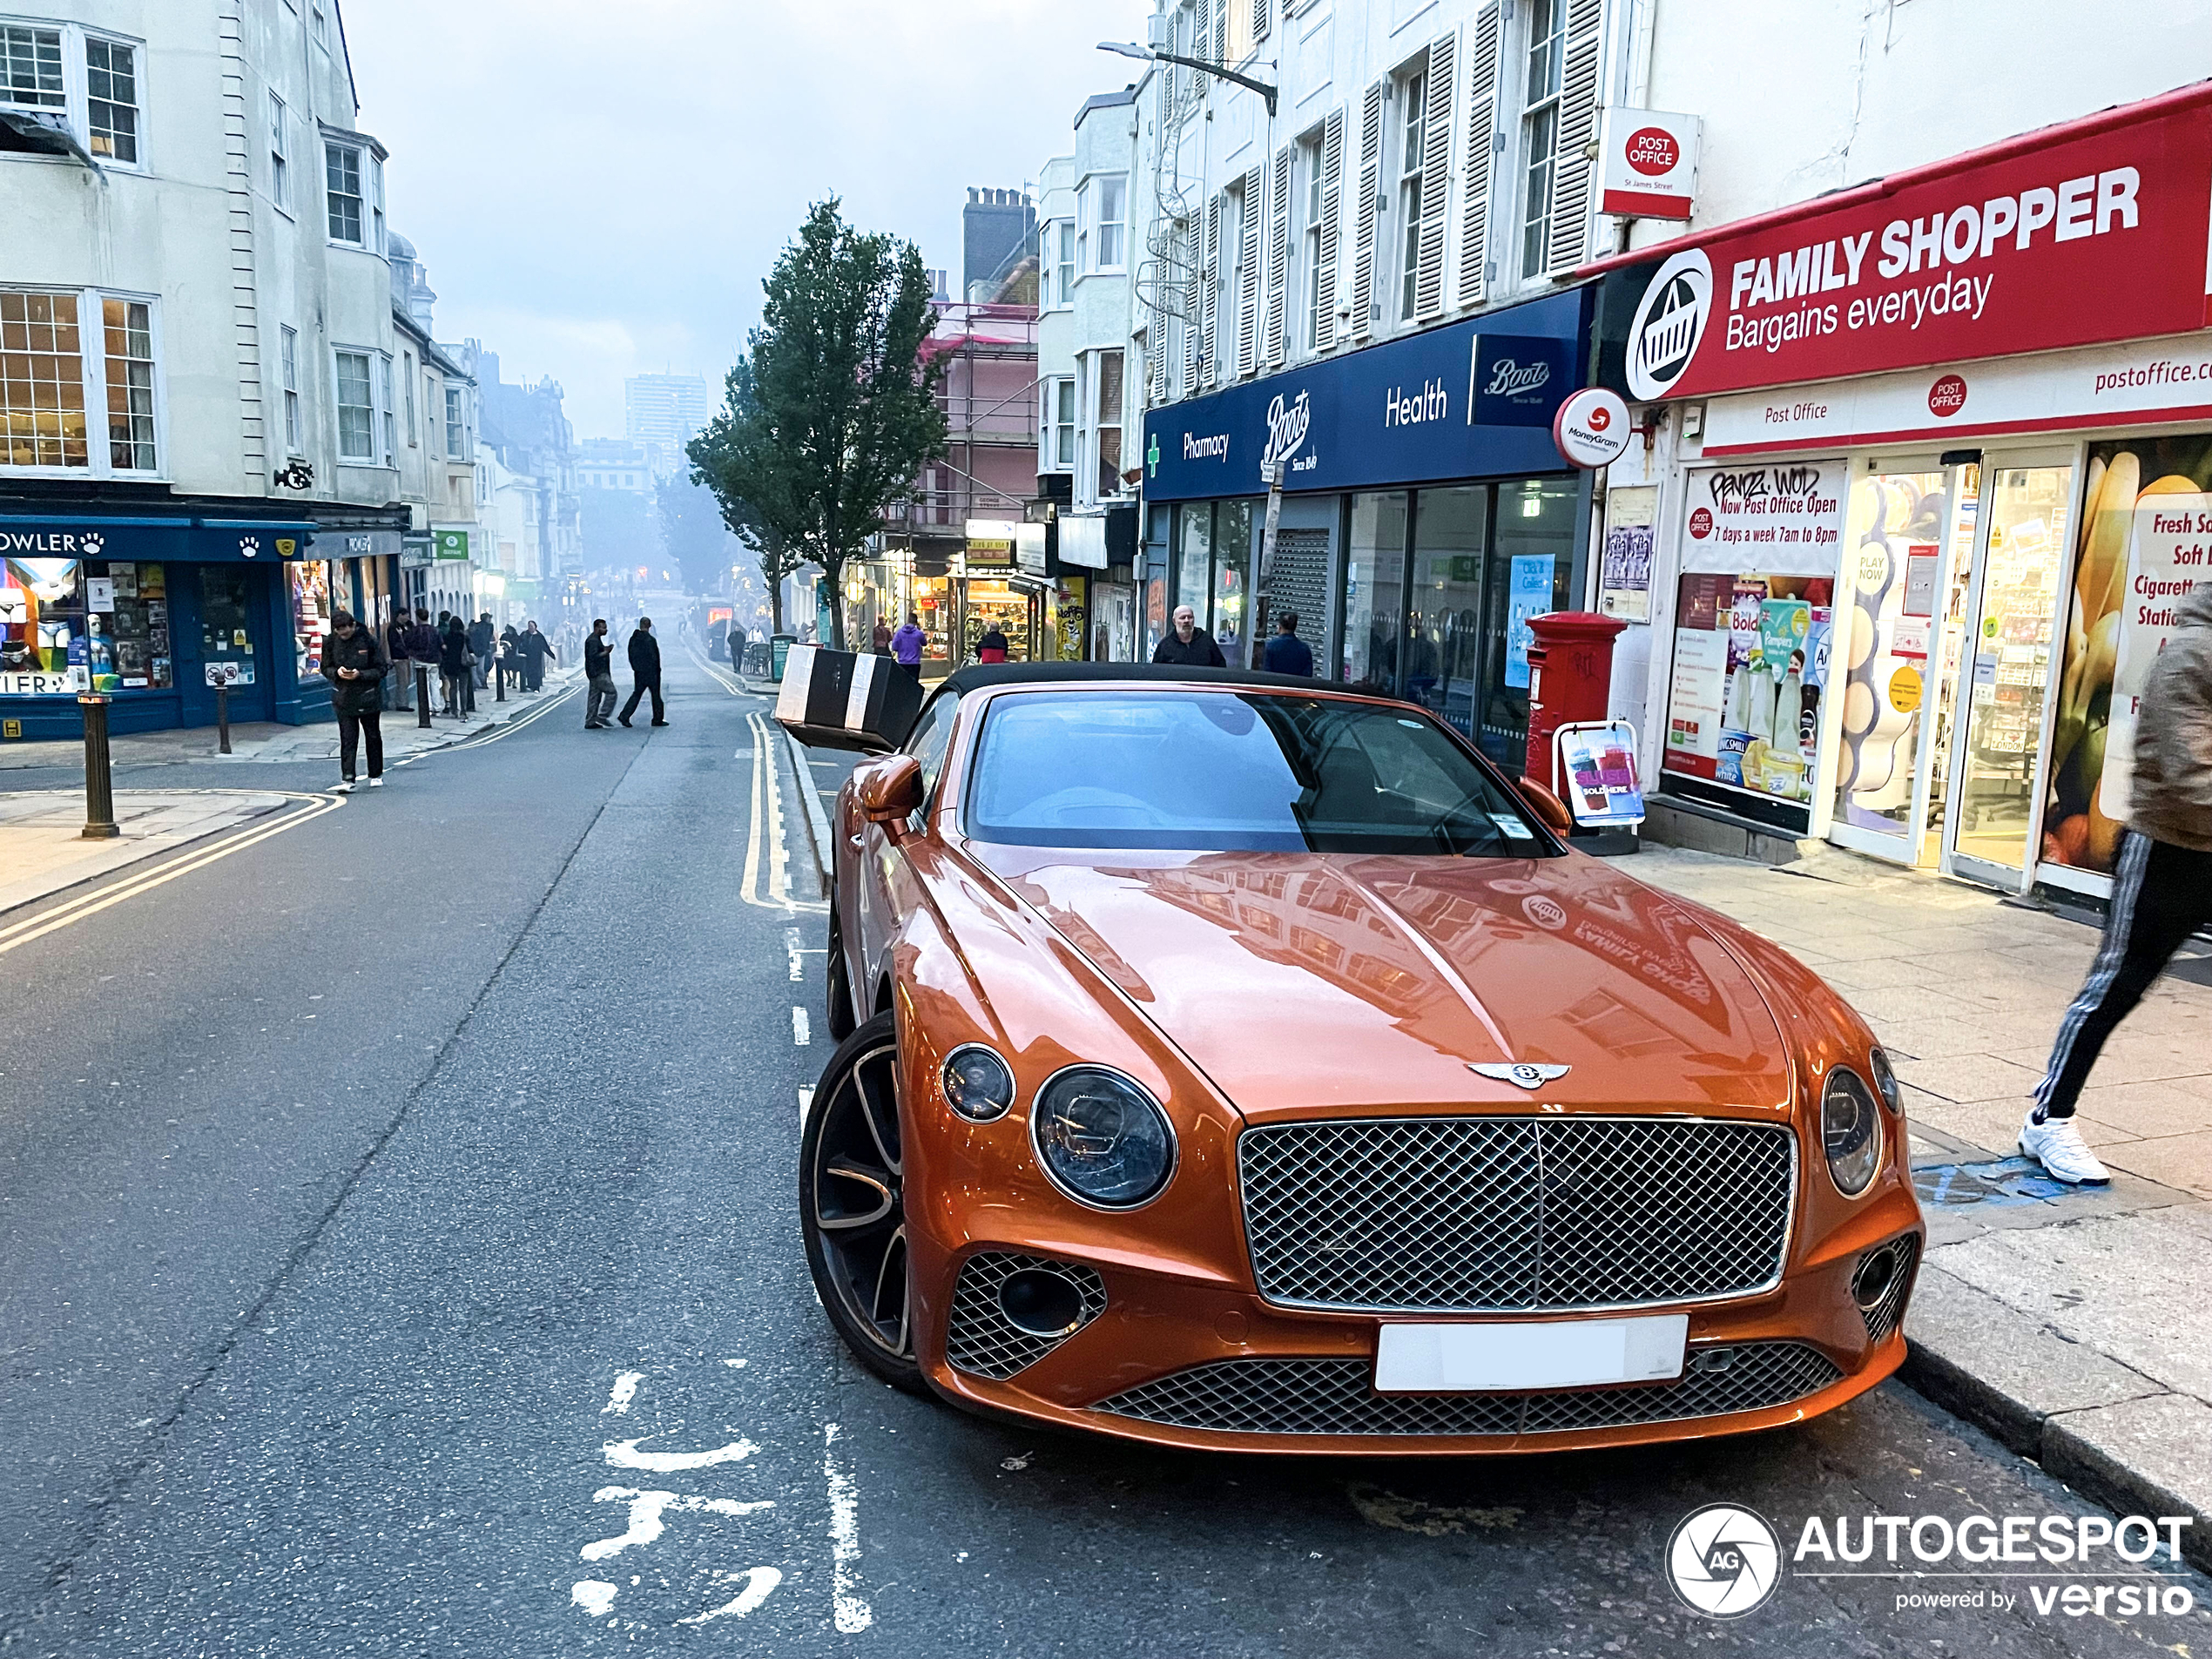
{"x":481,"y":635}
{"x":599,"y":677}
{"x":355,"y":663}
{"x":644,"y":671}
{"x":1187,"y":646}
{"x":535,"y":648}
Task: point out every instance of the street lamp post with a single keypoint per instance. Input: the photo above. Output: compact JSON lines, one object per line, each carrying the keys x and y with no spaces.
{"x":1153,"y":55}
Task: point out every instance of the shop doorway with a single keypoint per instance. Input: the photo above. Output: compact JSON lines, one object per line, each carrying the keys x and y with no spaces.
{"x":234,"y":630}
{"x":1945,"y":644}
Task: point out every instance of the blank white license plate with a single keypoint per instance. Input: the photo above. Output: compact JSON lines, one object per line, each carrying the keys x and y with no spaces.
{"x":1546,"y":1354}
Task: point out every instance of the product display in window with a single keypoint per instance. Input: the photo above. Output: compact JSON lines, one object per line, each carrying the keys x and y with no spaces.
{"x":42,"y":647}
{"x":1750,"y":659}
{"x":310,"y":582}
{"x":135,"y":633}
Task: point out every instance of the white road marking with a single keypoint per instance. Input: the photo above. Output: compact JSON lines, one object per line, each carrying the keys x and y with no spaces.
{"x":758,"y":1581}
{"x":806,"y":1103}
{"x":739,"y":1364}
{"x":625,"y":1390}
{"x":766,"y":850}
{"x":797,"y":953}
{"x":800,"y":1033}
{"x":624,"y":1454}
{"x":646,"y":1509}
{"x":853,"y":1613}
{"x":593,"y":1596}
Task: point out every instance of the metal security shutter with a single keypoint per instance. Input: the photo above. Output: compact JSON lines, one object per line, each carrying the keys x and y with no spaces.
{"x":1324,"y":301}
{"x":1186,"y":242}
{"x":1253,"y":202}
{"x":1363,"y":244}
{"x":1570,"y":209}
{"x":1210,"y":280}
{"x":1482,"y":121}
{"x":1436,"y":179}
{"x":1278,"y":255}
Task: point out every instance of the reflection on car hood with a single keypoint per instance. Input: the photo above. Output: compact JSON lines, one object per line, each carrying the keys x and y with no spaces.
{"x":1299,"y":982}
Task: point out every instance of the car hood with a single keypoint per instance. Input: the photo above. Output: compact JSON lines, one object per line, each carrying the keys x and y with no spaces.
{"x":1309,"y":983}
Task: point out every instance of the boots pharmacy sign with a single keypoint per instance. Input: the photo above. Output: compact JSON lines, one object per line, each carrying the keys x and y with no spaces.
{"x":2081,"y":234}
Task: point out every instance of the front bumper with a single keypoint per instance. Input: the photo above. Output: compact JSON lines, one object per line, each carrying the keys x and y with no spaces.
{"x":1177,"y":1359}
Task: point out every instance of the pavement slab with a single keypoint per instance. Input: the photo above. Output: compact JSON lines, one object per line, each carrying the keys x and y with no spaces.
{"x":43,"y":849}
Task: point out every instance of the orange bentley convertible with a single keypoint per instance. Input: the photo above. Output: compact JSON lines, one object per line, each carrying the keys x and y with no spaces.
{"x":1230,"y":1061}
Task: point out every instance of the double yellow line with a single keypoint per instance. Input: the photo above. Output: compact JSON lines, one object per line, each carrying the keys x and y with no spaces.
{"x":135,"y":882}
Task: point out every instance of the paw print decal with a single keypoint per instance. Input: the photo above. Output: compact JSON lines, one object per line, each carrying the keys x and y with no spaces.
{"x":90,"y":545}
{"x":248,"y":546}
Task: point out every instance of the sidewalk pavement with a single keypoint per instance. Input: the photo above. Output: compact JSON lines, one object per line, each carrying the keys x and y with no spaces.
{"x":2069,"y":1323}
{"x":42,"y":850}
{"x":265,"y":741}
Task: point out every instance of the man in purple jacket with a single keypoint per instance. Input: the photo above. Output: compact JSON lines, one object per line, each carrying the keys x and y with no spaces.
{"x":906,"y":643}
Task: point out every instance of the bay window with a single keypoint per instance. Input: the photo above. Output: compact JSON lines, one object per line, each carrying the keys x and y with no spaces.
{"x":341,"y":169}
{"x":101,"y":108}
{"x":357,"y":409}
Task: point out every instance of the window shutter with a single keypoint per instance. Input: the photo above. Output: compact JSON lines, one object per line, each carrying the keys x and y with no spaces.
{"x":1260,"y":9}
{"x":1363,"y":244}
{"x":1570,"y":209}
{"x":1325,"y":301}
{"x":1201,"y":33}
{"x":1483,"y":122}
{"x":1255,"y":204}
{"x":1221,"y":30}
{"x":1436,"y":178}
{"x":1209,"y":279}
{"x":1186,"y":242}
{"x":1279,"y":254}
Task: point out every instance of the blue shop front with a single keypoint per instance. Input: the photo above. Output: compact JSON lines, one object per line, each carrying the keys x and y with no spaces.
{"x":1427,"y":513}
{"x":150,"y":610}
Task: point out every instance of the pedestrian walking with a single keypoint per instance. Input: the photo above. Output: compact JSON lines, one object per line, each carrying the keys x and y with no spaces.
{"x":644,"y":672}
{"x":535,"y":648}
{"x":453,"y":668}
{"x":356,"y":665}
{"x":599,"y":677}
{"x":424,"y":647}
{"x":733,"y":642}
{"x":2161,"y":888}
{"x":906,"y":643}
{"x":992,"y":647}
{"x":402,"y":673}
{"x":881,"y":641}
{"x":1285,"y":652}
{"x":1187,"y":646}
{"x":481,"y":635}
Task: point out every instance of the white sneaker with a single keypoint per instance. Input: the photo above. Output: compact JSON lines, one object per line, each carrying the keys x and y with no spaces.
{"x":344,"y":789}
{"x":376,"y":783}
{"x":2057,"y":1145}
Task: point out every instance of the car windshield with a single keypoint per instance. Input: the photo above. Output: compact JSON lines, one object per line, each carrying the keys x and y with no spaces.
{"x":1235,"y":772}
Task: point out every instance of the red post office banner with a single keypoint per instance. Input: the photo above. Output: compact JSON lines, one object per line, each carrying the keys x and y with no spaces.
{"x":2081,"y":234}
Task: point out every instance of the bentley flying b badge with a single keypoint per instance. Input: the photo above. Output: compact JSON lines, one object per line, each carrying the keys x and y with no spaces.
{"x":1520,"y":1072}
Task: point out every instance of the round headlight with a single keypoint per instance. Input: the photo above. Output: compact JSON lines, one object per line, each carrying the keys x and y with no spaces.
{"x":1102,"y":1139}
{"x":977,"y":1084}
{"x":1851,"y":1132}
{"x":1885,"y":1080}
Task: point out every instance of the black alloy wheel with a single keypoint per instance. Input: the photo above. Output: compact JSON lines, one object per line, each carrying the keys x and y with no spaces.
{"x":851,"y":1206}
{"x":839,"y":981}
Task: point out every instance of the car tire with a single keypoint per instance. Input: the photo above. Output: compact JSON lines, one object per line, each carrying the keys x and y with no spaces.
{"x":839,"y":981}
{"x":851,"y":1209}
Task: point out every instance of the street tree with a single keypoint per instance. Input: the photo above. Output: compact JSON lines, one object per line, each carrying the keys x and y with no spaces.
{"x":690,"y":531}
{"x":714,"y":465}
{"x":837,"y":415}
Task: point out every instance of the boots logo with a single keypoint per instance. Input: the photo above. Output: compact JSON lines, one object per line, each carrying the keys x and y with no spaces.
{"x":1512,"y":379}
{"x":1286,"y":429}
{"x":1723,"y":1562}
{"x":1669,"y":323}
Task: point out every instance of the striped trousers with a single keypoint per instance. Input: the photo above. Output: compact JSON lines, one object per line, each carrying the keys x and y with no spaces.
{"x":2160,"y":894}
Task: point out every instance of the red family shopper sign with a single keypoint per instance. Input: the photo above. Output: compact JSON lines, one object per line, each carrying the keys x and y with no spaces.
{"x":2092,"y":231}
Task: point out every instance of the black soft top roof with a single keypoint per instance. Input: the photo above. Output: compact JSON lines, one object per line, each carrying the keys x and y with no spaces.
{"x":983,"y":676}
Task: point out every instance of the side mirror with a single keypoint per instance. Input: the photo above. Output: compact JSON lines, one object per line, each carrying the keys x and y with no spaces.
{"x":1551,"y":812}
{"x":889,"y":790}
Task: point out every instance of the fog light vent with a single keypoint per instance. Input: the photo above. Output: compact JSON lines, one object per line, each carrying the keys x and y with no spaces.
{"x":1011,"y":1311}
{"x":1883,"y":1284}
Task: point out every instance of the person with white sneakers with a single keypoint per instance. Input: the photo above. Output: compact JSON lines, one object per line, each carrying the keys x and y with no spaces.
{"x":2161,"y":887}
{"x":356,"y":665}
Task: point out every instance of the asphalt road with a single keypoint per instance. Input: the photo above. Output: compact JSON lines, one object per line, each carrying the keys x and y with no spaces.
{"x":398,"y":1256}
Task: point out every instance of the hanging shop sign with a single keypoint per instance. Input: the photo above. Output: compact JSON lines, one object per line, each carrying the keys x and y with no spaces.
{"x":1472,"y":400}
{"x":1649,"y":164}
{"x":1592,"y":427}
{"x":449,"y":546}
{"x":2078,"y":234}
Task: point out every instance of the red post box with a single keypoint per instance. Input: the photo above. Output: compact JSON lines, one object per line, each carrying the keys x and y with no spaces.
{"x":1570,"y":678}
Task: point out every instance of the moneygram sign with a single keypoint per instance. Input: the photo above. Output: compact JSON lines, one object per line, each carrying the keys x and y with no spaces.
{"x":2081,"y":234}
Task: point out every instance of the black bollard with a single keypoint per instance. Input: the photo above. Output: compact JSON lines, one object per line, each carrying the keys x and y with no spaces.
{"x":499,"y":674}
{"x":223,"y":719}
{"x":99,"y":777}
{"x":423,"y":696}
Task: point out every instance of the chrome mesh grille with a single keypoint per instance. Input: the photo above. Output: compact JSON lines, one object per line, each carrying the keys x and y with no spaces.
{"x":1514,"y":1214}
{"x":1888,"y":1311}
{"x":1332,"y":1397}
{"x":981,"y":1340}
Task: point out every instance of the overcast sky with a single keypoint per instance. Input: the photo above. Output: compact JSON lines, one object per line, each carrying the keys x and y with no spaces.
{"x":597,"y":191}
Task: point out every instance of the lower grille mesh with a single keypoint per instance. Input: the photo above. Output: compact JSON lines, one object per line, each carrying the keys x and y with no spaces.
{"x":1332,"y":1397}
{"x":981,"y":1340}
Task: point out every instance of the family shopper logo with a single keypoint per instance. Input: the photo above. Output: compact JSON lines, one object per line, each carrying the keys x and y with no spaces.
{"x":1723,"y":1561}
{"x":1668,"y":324}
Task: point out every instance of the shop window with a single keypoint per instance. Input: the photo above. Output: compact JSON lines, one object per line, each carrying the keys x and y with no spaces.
{"x":1534,"y":550}
{"x":311,"y":608}
{"x":129,"y":641}
{"x":1375,"y":591}
{"x":42,"y":380}
{"x":1194,"y":562}
{"x":1232,"y":557}
{"x":1444,"y":632}
{"x":129,"y":329}
{"x":44,"y":650}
